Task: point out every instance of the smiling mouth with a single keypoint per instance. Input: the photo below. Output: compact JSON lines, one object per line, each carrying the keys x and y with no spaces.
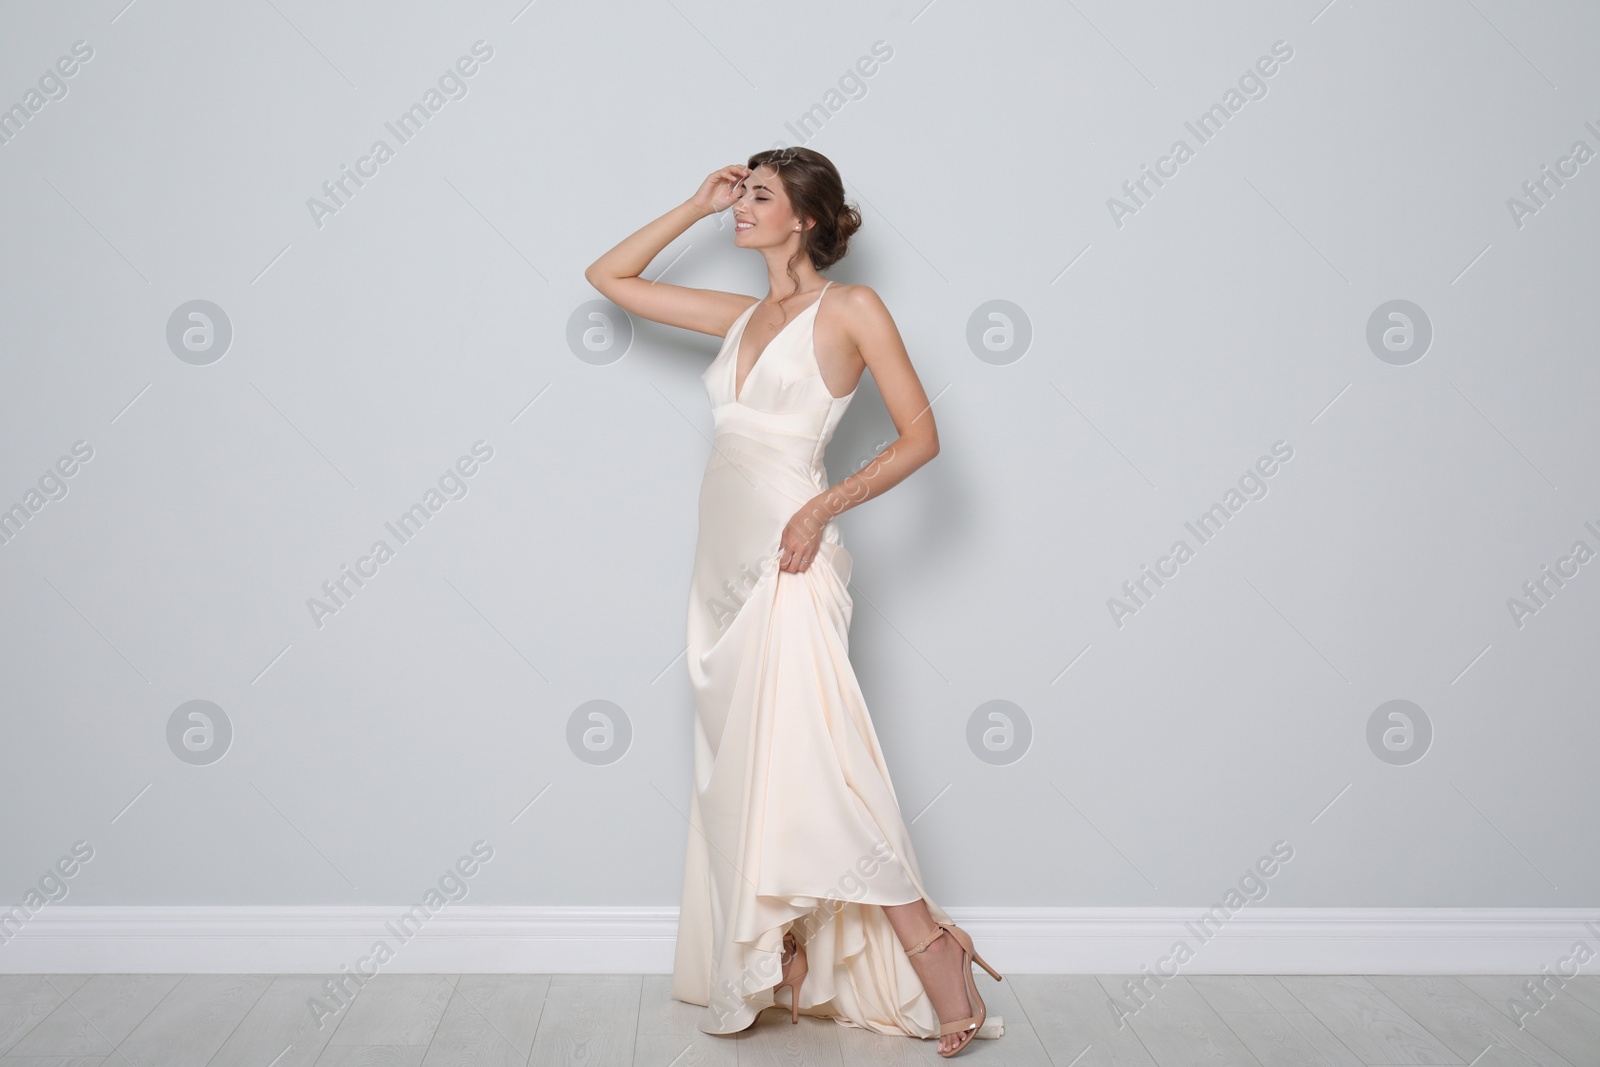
{"x":739,"y":225}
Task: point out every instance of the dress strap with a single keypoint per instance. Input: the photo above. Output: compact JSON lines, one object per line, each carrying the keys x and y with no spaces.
{"x":817,"y":303}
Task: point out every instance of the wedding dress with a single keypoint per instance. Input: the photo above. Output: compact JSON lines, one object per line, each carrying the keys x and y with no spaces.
{"x":793,"y":822}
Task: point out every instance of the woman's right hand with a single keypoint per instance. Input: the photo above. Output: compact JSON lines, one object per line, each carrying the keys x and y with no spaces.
{"x":720,"y":189}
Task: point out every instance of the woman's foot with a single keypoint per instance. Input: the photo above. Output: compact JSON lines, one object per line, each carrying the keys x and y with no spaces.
{"x":939,"y":967}
{"x":793,"y":960}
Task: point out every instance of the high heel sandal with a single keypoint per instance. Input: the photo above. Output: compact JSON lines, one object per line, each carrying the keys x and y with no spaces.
{"x":794,"y":972}
{"x":969,"y":1026}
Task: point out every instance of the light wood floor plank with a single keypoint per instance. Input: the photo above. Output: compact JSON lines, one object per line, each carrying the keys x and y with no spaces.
{"x":1331,"y":1048}
{"x":97,"y":1016}
{"x":490,"y":1022}
{"x":1586,"y":988}
{"x":1562,"y":1021}
{"x":774,"y":1041}
{"x":1273,"y":993}
{"x":661,"y":1013}
{"x":1274,"y":1040}
{"x":684,"y":1050}
{"x":193,"y":1021}
{"x":1468,"y":1026}
{"x":862,"y":1048}
{"x":280,"y":1023}
{"x":1179,"y":1029}
{"x":495,"y":1012}
{"x":49,"y":989}
{"x":1073,"y":1017}
{"x":371,"y":1056}
{"x":589,"y":1020}
{"x":394,"y":1009}
{"x":1367,"y":1022}
{"x":17,"y":1019}
{"x":1231,"y":993}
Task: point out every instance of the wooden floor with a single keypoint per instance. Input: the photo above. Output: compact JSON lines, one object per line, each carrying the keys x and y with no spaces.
{"x":599,"y":1020}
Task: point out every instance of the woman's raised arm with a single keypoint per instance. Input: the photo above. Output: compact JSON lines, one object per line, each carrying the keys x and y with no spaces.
{"x":616,"y":274}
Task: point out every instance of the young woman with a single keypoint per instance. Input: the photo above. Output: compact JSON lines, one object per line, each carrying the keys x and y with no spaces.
{"x":800,"y":871}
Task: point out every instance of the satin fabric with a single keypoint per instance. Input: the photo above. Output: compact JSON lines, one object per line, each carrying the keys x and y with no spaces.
{"x":793,"y":821}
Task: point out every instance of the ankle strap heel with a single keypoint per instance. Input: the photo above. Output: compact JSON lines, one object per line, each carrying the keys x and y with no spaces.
{"x":969,"y":1026}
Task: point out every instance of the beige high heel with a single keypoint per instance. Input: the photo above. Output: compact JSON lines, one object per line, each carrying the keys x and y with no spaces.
{"x":969,"y":1026}
{"x":794,"y":972}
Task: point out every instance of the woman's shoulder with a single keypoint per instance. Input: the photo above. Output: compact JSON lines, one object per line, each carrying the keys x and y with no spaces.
{"x":860,"y":304}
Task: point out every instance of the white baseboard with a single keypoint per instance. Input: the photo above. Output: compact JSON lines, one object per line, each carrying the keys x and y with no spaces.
{"x":582,"y":940}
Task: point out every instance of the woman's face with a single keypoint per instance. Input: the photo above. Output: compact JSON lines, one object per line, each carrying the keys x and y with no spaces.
{"x":762,"y":216}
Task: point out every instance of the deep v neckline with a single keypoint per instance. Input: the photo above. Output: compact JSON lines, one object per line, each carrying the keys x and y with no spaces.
{"x":738,"y":386}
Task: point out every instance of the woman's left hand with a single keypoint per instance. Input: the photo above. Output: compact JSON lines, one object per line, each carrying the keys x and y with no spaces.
{"x":801,"y":538}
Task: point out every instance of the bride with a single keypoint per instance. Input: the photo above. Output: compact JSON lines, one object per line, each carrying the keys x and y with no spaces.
{"x":799,"y":871}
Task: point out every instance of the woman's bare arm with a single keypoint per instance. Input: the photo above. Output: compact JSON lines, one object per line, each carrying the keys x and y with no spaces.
{"x":616,"y":274}
{"x":871,"y":328}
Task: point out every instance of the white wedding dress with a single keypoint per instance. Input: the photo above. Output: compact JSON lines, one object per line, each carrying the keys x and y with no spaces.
{"x":793,"y":820}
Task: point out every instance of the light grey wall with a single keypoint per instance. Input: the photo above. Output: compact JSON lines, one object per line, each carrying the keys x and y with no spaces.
{"x":1155,"y":357}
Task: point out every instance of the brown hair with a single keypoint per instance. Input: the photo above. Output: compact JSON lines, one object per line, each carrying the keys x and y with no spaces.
{"x":816,"y":193}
